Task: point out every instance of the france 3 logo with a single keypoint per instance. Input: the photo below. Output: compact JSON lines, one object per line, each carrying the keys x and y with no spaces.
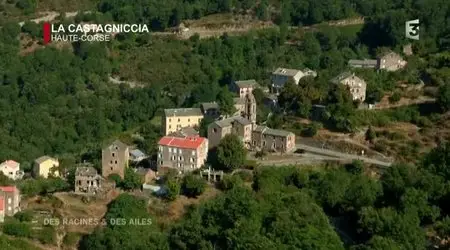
{"x":412,"y":29}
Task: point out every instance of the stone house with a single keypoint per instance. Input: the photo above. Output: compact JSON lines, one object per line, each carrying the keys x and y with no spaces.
{"x":175,"y":119}
{"x":242,"y":88}
{"x":390,"y":61}
{"x":183,"y":154}
{"x":246,"y":107}
{"x":87,"y":180}
{"x":282,"y":75}
{"x":147,"y":175}
{"x":356,"y":85}
{"x":45,"y":166}
{"x":210,"y":109}
{"x":238,"y":125}
{"x":273,"y":140}
{"x":11,"y":169}
{"x":115,"y":159}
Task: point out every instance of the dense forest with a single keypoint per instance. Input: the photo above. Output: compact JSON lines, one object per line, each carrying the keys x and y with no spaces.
{"x":298,"y":208}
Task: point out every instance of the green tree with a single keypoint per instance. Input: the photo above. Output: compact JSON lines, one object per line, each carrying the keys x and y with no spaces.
{"x":356,"y":167}
{"x":370,"y":134}
{"x":193,"y":185}
{"x":116,"y":178}
{"x":230,"y":181}
{"x":394,"y":98}
{"x":226,"y":102}
{"x":15,"y":228}
{"x":172,"y":189}
{"x":24,"y":216}
{"x":231,"y":153}
{"x":131,"y":180}
{"x":443,"y":98}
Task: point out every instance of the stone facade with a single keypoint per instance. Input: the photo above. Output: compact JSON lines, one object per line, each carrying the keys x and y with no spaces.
{"x":246,"y":107}
{"x":115,"y":159}
{"x":87,"y":180}
{"x":243,"y":88}
{"x":238,"y":125}
{"x":273,"y":140}
{"x":355,"y":85}
{"x":210,"y":110}
{"x":391,"y":62}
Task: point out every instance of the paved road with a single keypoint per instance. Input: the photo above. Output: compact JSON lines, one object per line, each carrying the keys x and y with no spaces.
{"x":342,"y":155}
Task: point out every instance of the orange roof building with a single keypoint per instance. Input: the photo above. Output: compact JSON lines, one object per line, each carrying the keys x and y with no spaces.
{"x":182,"y":153}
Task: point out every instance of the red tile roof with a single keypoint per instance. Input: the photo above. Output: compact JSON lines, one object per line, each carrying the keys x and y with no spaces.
{"x":2,"y":203}
{"x":11,"y":164}
{"x":8,"y":188}
{"x":191,"y":142}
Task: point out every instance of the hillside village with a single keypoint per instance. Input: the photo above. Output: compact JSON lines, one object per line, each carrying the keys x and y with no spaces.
{"x":293,"y":124}
{"x":181,"y":148}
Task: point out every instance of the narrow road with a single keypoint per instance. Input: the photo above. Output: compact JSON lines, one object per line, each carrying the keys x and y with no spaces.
{"x":342,"y":155}
{"x":50,"y":16}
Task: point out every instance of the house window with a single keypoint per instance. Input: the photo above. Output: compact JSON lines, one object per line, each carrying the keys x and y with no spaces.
{"x":9,"y":208}
{"x":264,"y":143}
{"x":10,"y":173}
{"x":173,"y":157}
{"x":192,"y":166}
{"x":193,"y":152}
{"x":170,"y":120}
{"x":189,"y":120}
{"x":179,"y":151}
{"x":180,"y":158}
{"x":192,"y":159}
{"x":115,"y":162}
{"x":110,"y":162}
{"x":170,"y":126}
{"x":79,"y":183}
{"x":113,"y":155}
{"x":111,"y":168}
{"x":214,"y":130}
{"x":161,"y":163}
{"x":254,"y":143}
{"x":159,"y":155}
{"x":9,"y":200}
{"x":178,"y":119}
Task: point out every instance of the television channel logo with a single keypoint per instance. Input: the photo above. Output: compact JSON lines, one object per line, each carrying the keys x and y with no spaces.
{"x":412,"y":29}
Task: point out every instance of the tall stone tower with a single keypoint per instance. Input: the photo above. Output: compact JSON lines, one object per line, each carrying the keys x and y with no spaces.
{"x":250,"y":108}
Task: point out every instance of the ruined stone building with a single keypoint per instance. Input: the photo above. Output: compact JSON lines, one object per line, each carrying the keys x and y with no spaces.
{"x":87,"y":180}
